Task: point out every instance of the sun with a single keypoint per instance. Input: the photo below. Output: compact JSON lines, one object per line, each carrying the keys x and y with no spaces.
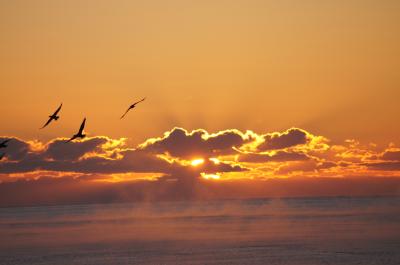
{"x":197,"y":162}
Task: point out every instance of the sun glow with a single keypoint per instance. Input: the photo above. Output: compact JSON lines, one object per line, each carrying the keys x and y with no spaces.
{"x":210,"y":176}
{"x":215,"y":160}
{"x":197,"y":162}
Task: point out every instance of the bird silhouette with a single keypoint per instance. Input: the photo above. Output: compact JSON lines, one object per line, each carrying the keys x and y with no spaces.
{"x":53,"y":117}
{"x":80,"y":132}
{"x":132,"y":106}
{"x":4,"y":143}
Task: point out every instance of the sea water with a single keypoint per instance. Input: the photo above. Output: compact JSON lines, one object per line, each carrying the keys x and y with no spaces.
{"x":298,"y":231}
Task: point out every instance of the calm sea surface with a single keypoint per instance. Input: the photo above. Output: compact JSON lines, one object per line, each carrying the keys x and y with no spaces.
{"x":341,"y":231}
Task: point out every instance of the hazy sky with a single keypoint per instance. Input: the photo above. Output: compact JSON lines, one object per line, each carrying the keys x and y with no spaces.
{"x":330,"y":67}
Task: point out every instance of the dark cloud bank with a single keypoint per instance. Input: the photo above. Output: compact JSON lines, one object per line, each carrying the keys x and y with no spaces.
{"x":58,"y":173}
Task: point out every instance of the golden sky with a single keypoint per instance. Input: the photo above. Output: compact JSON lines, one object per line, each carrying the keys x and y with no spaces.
{"x":326,"y":71}
{"x":330,"y":67}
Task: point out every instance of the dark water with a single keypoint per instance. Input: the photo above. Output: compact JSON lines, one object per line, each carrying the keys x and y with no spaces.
{"x":277,"y":231}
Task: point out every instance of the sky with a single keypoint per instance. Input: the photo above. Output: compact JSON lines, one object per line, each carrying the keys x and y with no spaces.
{"x":265,"y":89}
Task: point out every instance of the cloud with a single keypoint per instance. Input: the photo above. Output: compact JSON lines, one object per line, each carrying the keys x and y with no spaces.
{"x":16,"y":149}
{"x":60,"y":150}
{"x":102,"y":155}
{"x":303,"y":166}
{"x":388,"y":160}
{"x":279,"y":156}
{"x":289,"y":138}
{"x":326,"y":165}
{"x":199,"y":143}
{"x":132,"y":161}
{"x":229,"y":153}
{"x":391,"y":155}
{"x":101,"y":169}
{"x":386,"y":166}
{"x":90,"y":155}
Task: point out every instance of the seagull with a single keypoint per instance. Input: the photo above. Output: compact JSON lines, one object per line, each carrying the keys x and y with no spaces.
{"x":53,"y":117}
{"x":132,"y":106}
{"x":4,"y":143}
{"x":80,"y":132}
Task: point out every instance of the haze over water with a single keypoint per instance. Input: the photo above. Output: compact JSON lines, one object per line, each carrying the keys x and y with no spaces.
{"x":263,"y":231}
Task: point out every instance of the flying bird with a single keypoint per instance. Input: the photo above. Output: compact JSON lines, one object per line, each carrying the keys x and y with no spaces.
{"x":53,"y":117}
{"x":4,"y":143}
{"x":132,"y":106}
{"x":80,"y":132}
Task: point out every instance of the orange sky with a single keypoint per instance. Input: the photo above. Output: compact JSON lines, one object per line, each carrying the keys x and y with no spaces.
{"x":330,"y":67}
{"x":325,"y":73}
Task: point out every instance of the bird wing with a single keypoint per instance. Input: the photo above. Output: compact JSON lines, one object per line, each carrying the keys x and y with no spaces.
{"x":138,"y":101}
{"x":125,"y":112}
{"x":47,"y":123}
{"x":58,"y":110}
{"x":82,"y":126}
{"x":132,"y":106}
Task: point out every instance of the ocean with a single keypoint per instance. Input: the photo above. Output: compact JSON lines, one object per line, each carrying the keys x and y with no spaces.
{"x":301,"y":231}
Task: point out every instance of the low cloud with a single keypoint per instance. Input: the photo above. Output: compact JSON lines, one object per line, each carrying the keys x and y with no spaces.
{"x":16,"y":149}
{"x":228,"y":154}
{"x":61,"y":151}
{"x":386,"y":166}
{"x":181,"y":143}
{"x":391,"y":155}
{"x":289,"y":138}
{"x":280,"y":156}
